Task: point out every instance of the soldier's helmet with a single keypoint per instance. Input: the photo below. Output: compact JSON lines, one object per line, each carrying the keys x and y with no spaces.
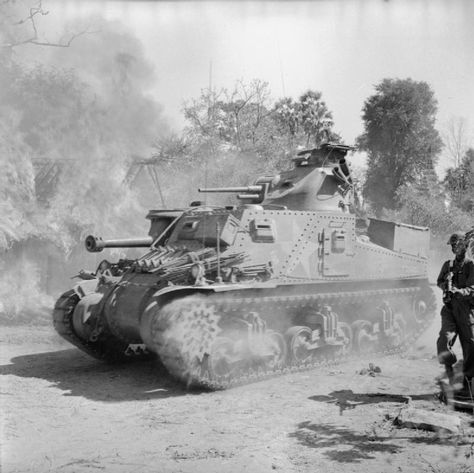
{"x":455,"y":237}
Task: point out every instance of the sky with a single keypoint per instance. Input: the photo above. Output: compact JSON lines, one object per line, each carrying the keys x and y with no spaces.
{"x":342,"y":48}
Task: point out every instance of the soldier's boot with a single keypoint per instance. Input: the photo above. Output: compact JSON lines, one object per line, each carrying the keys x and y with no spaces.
{"x":466,"y":393}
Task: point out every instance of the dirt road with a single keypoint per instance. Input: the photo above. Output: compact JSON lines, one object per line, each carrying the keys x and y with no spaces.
{"x":65,"y":412}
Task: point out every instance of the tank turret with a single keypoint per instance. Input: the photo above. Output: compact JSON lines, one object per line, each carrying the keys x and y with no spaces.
{"x":320,"y":180}
{"x":287,"y":277}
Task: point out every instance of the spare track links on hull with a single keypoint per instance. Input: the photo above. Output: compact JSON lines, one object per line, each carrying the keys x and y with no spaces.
{"x":198,"y":342}
{"x":107,"y":348}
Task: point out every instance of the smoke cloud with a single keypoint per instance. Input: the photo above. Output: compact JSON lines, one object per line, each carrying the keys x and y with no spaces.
{"x":71,"y":122}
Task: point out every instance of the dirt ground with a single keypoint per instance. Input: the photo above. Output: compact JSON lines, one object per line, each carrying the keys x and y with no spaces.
{"x":65,"y":412}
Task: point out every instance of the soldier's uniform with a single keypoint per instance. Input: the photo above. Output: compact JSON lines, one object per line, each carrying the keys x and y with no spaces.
{"x":457,"y":315}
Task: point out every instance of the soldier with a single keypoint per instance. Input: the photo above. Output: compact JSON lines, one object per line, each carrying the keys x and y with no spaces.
{"x":456,"y":279}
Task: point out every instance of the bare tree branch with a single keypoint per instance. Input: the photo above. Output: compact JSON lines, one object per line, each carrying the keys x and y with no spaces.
{"x":30,"y":21}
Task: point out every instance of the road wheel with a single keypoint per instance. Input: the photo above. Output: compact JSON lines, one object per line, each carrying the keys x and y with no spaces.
{"x":275,"y":343}
{"x":363,"y":339}
{"x":399,"y":331}
{"x":299,"y":339}
{"x":346,"y":330}
{"x":223,"y":361}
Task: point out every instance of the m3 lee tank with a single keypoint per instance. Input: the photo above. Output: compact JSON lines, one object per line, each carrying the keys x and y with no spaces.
{"x":291,"y":276}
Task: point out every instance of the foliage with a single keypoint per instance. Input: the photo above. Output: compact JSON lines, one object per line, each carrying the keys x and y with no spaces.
{"x":456,"y":139}
{"x":428,"y":209}
{"x":307,"y":120}
{"x":399,"y":138}
{"x":240,"y":118}
{"x":459,"y":182}
{"x":246,"y":122}
{"x":315,"y":118}
{"x":287,"y":117}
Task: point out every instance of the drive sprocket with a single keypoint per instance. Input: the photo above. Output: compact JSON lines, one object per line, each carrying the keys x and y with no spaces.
{"x":183,"y":333}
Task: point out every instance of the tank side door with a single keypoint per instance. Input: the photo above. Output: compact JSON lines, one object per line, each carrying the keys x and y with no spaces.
{"x":337,"y":246}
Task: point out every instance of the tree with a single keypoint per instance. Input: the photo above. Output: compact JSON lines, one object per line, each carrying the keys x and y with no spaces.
{"x":246,"y":111}
{"x":238,"y":117}
{"x":316,"y":119}
{"x":204,"y":117}
{"x":459,"y":182}
{"x":456,"y":139}
{"x":286,"y":116}
{"x":238,"y":122}
{"x":20,"y":25}
{"x":244,"y":121}
{"x":229,"y":135}
{"x":307,"y":121}
{"x":400,"y":138}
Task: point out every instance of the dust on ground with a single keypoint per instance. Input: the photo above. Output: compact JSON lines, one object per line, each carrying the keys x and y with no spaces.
{"x":65,"y":412}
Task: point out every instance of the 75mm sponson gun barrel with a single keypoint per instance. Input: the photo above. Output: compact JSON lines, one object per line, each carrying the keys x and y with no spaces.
{"x":95,"y":244}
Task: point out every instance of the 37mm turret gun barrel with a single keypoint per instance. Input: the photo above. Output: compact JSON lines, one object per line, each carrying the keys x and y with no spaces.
{"x":231,"y":189}
{"x":95,"y":244}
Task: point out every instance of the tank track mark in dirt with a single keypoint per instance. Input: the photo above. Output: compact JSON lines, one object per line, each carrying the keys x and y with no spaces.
{"x":107,"y":348}
{"x":197,"y":340}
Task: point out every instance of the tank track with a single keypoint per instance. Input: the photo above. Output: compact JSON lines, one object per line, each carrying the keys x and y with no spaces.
{"x":106,"y":348}
{"x":185,"y":357}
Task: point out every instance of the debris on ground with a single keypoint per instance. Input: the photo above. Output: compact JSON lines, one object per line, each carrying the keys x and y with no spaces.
{"x":416,"y":418}
{"x":372,"y":370}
